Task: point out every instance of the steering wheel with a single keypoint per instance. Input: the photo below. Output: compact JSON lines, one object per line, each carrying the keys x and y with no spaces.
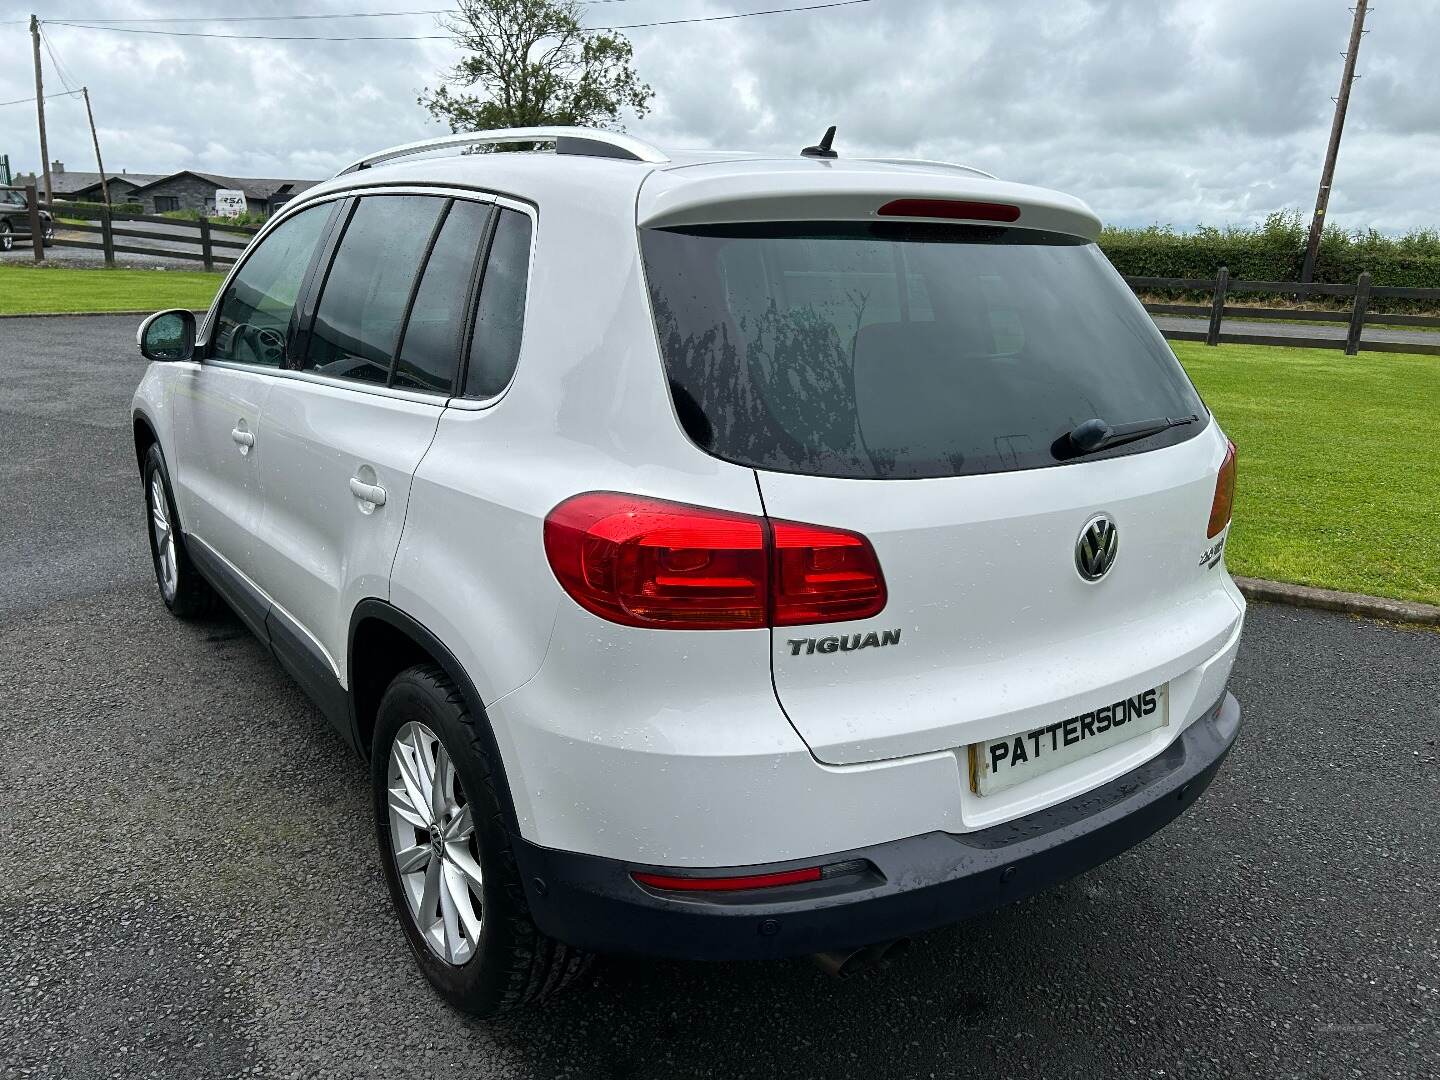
{"x":265,"y":344}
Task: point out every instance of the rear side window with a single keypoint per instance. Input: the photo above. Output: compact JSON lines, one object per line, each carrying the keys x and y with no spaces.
{"x":430,"y":353}
{"x":500,"y":318}
{"x":362,"y":303}
{"x":893,"y":350}
{"x":254,"y":316}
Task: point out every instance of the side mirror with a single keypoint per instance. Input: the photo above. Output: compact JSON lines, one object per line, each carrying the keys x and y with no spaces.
{"x":167,"y":335}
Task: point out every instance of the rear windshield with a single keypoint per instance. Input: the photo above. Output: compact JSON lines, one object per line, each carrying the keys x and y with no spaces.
{"x":890,"y":351}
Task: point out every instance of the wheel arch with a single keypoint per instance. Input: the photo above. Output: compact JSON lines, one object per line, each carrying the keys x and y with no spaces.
{"x":146,"y":436}
{"x":383,"y":642}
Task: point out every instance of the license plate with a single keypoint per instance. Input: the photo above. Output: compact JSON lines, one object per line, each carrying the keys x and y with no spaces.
{"x":1002,"y":763}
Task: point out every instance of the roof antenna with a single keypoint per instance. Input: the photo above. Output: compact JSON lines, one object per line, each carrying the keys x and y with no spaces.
{"x":823,"y":150}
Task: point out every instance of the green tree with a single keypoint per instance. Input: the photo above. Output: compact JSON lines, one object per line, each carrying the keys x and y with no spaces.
{"x":530,"y":62}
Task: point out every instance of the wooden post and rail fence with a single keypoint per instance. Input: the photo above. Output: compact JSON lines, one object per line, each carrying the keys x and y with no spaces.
{"x":1362,"y":294}
{"x":219,"y":242}
{"x":222,"y":250}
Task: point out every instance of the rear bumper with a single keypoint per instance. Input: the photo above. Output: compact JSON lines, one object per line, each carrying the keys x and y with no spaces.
{"x":887,"y":890}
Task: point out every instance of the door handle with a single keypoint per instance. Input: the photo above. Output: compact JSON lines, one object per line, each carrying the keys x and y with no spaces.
{"x":373,"y":494}
{"x":243,"y":439}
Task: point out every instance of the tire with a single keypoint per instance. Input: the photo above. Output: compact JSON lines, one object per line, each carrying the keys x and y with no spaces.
{"x":184,"y":591}
{"x":7,"y":236}
{"x":491,"y":959}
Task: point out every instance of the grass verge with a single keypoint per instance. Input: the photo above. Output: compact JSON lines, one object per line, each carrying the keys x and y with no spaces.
{"x":1339,"y":456}
{"x":26,"y":290}
{"x":1339,"y":482}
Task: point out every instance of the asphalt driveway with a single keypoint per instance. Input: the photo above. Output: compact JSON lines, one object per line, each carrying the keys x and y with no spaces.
{"x":1333,"y":331}
{"x":188,"y":882}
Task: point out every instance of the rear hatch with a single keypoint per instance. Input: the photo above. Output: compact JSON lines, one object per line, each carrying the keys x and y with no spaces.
{"x":916,"y":382}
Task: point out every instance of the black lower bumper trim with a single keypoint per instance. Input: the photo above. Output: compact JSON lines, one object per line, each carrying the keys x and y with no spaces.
{"x":907,"y":887}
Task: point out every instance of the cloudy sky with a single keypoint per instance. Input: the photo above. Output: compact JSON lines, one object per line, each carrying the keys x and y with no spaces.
{"x":1170,"y":111}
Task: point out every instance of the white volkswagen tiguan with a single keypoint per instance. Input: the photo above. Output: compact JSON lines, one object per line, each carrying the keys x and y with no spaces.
{"x":714,"y":555}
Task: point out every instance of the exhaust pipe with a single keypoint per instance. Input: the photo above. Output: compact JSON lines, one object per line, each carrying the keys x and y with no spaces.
{"x":848,"y":962}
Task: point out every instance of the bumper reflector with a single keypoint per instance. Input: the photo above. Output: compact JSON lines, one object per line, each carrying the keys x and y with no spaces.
{"x":727,"y":884}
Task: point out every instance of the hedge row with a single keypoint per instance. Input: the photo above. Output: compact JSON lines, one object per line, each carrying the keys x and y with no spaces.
{"x":1274,"y":251}
{"x":90,"y":211}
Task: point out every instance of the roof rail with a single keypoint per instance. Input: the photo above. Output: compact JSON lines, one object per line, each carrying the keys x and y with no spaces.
{"x":585,"y":142}
{"x":933,"y":165}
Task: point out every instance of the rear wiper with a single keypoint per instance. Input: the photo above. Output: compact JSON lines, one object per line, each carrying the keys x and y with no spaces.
{"x":1092,"y":436}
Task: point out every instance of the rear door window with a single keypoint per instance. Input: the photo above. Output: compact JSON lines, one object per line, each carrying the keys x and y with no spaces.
{"x":363,"y":299}
{"x":430,"y":353}
{"x":895,"y":350}
{"x":500,"y":318}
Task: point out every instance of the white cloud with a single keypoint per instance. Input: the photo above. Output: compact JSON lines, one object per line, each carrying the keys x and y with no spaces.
{"x":1179,"y":111}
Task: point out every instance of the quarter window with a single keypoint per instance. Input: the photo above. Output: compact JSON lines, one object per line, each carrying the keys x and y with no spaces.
{"x":500,"y":319}
{"x":430,"y":353}
{"x":254,"y":319}
{"x":362,"y":305}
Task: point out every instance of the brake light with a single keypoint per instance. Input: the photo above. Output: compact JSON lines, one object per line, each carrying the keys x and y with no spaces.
{"x":1222,"y":507}
{"x":950,"y":208}
{"x":823,"y":575}
{"x":648,"y":562}
{"x":728,"y":884}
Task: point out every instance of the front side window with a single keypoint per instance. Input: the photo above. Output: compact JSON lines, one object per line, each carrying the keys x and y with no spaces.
{"x":362,"y":303}
{"x":254,"y":318}
{"x":891,"y":351}
{"x":500,"y":319}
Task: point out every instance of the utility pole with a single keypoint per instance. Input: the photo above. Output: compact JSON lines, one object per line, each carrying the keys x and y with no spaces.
{"x":104,"y":184}
{"x":40,"y":107}
{"x":1327,"y":175}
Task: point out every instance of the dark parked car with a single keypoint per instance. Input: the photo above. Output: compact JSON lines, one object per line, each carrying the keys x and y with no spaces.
{"x":15,"y":219}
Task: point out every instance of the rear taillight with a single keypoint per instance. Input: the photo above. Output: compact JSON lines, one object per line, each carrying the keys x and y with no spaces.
{"x":1223,"y":505}
{"x":647,"y":562}
{"x":823,"y":575}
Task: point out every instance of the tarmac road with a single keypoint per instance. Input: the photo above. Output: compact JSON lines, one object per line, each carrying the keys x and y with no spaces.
{"x":188,"y":881}
{"x":1333,"y":331}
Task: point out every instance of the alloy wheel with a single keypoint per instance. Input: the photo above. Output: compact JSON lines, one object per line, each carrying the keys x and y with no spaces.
{"x":165,"y":554}
{"x":433,"y":843}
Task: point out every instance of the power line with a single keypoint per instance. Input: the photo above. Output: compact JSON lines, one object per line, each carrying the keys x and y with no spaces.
{"x":737,"y":15}
{"x":28,"y":100}
{"x":282,"y":18}
{"x":60,"y":69}
{"x":447,"y":37}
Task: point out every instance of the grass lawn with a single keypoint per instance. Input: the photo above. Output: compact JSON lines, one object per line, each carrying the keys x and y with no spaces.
{"x":1339,"y":456}
{"x":34,"y":289}
{"x":1339,"y":480}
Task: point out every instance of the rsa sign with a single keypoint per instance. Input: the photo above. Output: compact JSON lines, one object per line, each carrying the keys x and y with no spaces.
{"x":229,"y":203}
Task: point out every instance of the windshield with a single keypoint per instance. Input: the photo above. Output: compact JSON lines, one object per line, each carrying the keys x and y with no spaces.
{"x":890,"y":351}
